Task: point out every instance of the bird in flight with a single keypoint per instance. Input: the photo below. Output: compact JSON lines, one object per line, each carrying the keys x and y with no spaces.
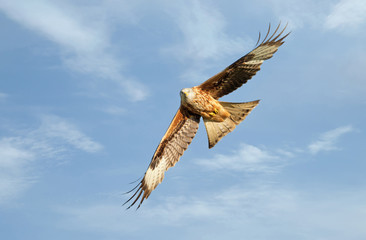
{"x":219,"y":118}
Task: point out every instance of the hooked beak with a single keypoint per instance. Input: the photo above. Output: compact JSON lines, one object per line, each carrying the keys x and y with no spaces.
{"x":183,"y":92}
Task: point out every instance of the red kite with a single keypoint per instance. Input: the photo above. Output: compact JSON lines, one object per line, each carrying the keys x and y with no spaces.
{"x":219,"y":118}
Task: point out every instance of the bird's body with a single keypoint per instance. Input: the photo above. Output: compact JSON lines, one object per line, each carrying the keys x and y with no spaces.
{"x":202,"y":103}
{"x":219,"y":118}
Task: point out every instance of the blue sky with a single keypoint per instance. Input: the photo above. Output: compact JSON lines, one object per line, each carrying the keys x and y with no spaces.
{"x":88,"y":89}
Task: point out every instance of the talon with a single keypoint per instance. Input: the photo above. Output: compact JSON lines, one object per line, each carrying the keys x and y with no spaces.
{"x":216,"y":111}
{"x":212,"y":114}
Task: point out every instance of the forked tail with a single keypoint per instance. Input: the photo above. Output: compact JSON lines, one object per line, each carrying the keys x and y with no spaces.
{"x":238,"y":112}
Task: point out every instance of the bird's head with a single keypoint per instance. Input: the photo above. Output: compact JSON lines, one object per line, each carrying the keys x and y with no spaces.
{"x":186,"y":94}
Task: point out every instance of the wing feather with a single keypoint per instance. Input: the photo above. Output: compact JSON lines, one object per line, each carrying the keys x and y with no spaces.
{"x":179,"y":135}
{"x":246,"y":67}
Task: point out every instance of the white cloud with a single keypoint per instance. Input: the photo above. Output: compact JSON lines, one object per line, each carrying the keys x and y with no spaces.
{"x":347,"y":14}
{"x":257,"y":209}
{"x":248,"y":158}
{"x":251,"y":202}
{"x":298,"y":13}
{"x":13,"y":168}
{"x":327,"y":140}
{"x":257,"y":212}
{"x":56,"y":127}
{"x":19,"y":154}
{"x":264,"y":211}
{"x":203,"y":37}
{"x":83,"y":37}
{"x":252,"y":159}
{"x":203,"y":32}
{"x":318,"y":14}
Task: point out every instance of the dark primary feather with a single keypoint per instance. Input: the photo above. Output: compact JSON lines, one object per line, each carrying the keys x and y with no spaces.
{"x":238,"y":73}
{"x":179,"y":135}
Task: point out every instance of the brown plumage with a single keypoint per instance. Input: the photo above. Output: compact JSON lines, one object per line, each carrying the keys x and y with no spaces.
{"x":220,"y":118}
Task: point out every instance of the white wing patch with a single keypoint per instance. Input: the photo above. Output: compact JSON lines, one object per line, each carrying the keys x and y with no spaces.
{"x":153,"y":177}
{"x":167,"y":155}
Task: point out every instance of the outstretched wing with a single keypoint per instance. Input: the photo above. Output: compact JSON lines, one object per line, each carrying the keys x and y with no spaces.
{"x":179,"y":135}
{"x":245,"y":68}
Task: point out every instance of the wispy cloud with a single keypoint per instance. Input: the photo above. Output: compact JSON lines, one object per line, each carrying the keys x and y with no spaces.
{"x":18,"y":154}
{"x":347,"y":14}
{"x":259,"y":212}
{"x":203,"y":32}
{"x":224,"y":203}
{"x":84,"y":39}
{"x":252,"y":159}
{"x":114,"y":110}
{"x":247,"y":206}
{"x":14,"y":161}
{"x":298,"y":13}
{"x":3,"y":96}
{"x":327,"y":141}
{"x":203,"y":37}
{"x":253,"y":210}
{"x":55,"y":127}
{"x":247,"y":158}
{"x":318,"y":14}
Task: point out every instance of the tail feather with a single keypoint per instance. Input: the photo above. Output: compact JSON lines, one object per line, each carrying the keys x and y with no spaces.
{"x":238,"y":112}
